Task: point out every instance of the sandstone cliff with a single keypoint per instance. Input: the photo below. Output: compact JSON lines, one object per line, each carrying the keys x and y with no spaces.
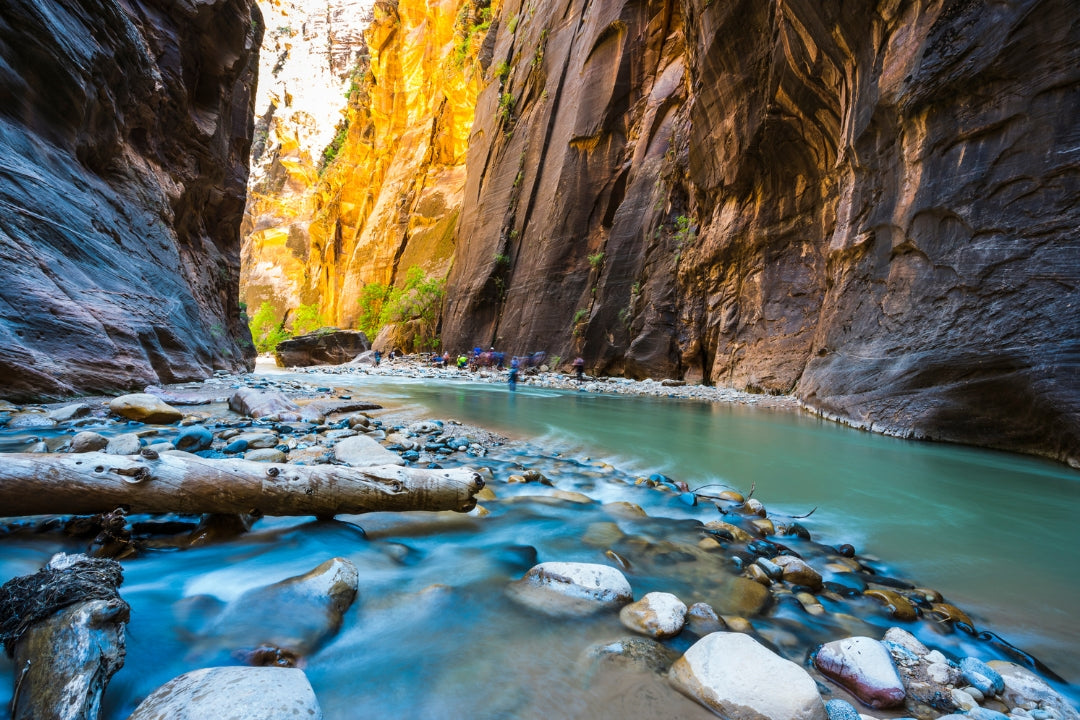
{"x":871,"y":205}
{"x":384,"y":197}
{"x":124,"y":136}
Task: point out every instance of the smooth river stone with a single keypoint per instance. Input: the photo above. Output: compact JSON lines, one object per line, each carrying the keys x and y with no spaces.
{"x":233,"y":693}
{"x":1023,"y":686}
{"x":145,"y":408}
{"x":865,"y":667}
{"x":362,"y":451}
{"x":124,"y":444}
{"x":296,"y":614}
{"x":88,"y":441}
{"x":797,"y":572}
{"x":659,"y":615}
{"x":739,"y":679}
{"x":566,"y":589}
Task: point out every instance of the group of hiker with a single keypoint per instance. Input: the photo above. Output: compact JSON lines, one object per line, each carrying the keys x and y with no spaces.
{"x":477,"y":358}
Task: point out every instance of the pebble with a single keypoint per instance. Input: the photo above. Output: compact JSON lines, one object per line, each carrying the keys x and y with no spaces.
{"x":982,"y":676}
{"x":841,"y":710}
{"x":236,"y":446}
{"x":570,"y":589}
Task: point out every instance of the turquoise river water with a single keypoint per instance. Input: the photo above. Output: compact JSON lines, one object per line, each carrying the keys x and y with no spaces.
{"x":997,"y":534}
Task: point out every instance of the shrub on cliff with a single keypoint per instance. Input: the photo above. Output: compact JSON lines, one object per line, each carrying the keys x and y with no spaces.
{"x":418,"y":300}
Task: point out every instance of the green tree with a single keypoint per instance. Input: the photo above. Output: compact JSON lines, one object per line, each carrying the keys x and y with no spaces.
{"x":419,"y":298}
{"x":307,"y":319}
{"x":266,"y":329}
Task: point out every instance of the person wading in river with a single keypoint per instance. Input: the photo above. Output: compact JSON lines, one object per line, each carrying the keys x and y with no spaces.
{"x":512,"y":379}
{"x":579,"y":368}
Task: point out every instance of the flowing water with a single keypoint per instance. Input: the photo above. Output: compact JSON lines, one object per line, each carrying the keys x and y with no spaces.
{"x":433,"y":635}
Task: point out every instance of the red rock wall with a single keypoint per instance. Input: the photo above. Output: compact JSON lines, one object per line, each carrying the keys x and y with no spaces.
{"x":124,"y":137}
{"x":871,"y":205}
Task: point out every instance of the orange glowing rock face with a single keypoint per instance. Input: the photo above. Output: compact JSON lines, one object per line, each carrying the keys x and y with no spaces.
{"x":317,"y":231}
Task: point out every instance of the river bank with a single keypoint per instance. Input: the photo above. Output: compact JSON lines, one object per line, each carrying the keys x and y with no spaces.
{"x":566,"y":509}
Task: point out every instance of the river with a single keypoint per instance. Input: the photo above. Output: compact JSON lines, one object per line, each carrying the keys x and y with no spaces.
{"x":995,"y":533}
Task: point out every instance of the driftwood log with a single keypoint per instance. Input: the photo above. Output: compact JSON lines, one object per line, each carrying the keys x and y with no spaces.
{"x":64,"y":628}
{"x":84,"y":483}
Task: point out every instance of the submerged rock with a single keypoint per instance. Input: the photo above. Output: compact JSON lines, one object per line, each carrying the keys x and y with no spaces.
{"x":738,"y":678}
{"x":233,"y":693}
{"x":145,"y":408}
{"x":296,"y":614}
{"x":863,"y":666}
{"x":569,"y":589}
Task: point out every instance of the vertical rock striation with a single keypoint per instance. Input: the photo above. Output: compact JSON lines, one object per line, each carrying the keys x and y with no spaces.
{"x":872,"y":206}
{"x":124,"y":137}
{"x":380,"y":193}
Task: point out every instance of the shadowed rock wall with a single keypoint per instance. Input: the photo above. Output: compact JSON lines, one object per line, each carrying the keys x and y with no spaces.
{"x":124,"y":137}
{"x":871,"y":205}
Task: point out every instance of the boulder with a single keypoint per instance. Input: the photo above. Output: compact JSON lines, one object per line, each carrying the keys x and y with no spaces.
{"x":571,"y":589}
{"x":739,"y":679}
{"x":69,"y":412}
{"x":362,"y":451}
{"x":295,"y":615}
{"x":863,"y":666}
{"x":270,"y":405}
{"x":323,"y":347}
{"x":145,"y":408}
{"x":233,"y":693}
{"x":658,"y":614}
{"x":1024,"y":688}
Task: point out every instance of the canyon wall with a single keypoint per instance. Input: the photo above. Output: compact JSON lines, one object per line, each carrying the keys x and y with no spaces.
{"x":871,"y":205}
{"x":331,"y":211}
{"x":124,"y":135}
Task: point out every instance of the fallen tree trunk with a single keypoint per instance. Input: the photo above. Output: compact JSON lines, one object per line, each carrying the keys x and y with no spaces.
{"x":83,"y":483}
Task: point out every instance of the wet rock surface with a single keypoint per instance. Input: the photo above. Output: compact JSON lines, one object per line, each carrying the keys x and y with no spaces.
{"x":333,"y":347}
{"x":737,"y":573}
{"x":233,"y":693}
{"x":122,"y":191}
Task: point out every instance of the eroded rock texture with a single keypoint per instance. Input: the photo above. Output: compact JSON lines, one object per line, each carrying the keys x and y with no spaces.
{"x":872,"y":205}
{"x":324,"y":219}
{"x":124,"y":137}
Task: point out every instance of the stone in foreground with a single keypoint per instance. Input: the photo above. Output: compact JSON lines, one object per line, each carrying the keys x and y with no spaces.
{"x":863,"y":666}
{"x":233,"y":693}
{"x":145,"y":408}
{"x":296,"y":615}
{"x":567,"y":589}
{"x":658,"y":614}
{"x":1024,"y":688}
{"x":739,"y":679}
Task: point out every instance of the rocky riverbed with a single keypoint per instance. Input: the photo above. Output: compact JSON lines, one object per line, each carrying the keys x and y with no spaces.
{"x":676,"y":601}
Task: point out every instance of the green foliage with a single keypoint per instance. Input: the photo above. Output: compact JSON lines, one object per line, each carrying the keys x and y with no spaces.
{"x":332,"y":150}
{"x":506,"y":107}
{"x":372,"y":299}
{"x":554,"y":360}
{"x":579,"y":316}
{"x":501,"y":259}
{"x":266,"y":329}
{"x":596,"y":259}
{"x":512,"y":25}
{"x":306,"y":319}
{"x":419,"y":298}
{"x":502,"y":70}
{"x":685,"y":231}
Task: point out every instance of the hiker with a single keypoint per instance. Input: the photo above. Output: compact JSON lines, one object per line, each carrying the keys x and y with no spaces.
{"x":462,"y":362}
{"x":579,"y":368}
{"x":378,"y":357}
{"x":512,"y":379}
